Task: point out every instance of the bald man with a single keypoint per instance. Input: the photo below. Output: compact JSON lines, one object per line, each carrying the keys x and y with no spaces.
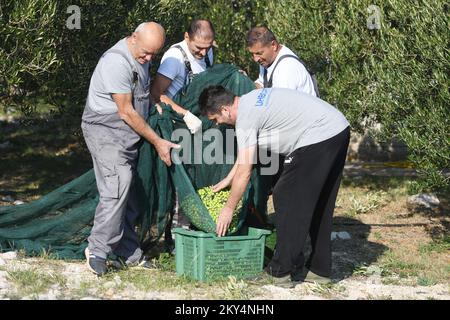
{"x":113,"y":122}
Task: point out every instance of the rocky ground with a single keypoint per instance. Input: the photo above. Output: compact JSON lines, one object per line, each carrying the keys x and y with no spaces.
{"x":24,"y":278}
{"x":382,"y":247}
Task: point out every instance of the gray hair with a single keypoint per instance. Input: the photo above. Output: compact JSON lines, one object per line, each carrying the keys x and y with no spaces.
{"x":261,"y":35}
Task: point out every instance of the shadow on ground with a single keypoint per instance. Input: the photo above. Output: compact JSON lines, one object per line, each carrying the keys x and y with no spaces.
{"x":438,"y":226}
{"x":39,"y":157}
{"x":348,"y":255}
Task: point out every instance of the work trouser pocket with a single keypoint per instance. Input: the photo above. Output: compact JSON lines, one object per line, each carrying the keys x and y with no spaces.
{"x":108,"y":182}
{"x":111,"y":186}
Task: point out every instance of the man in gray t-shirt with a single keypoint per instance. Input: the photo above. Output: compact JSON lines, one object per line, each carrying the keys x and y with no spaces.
{"x":112,"y":75}
{"x":283,"y":120}
{"x":313,"y":136}
{"x":113,"y":122}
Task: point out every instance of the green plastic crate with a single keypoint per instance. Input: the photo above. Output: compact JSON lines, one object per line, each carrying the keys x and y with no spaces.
{"x":205,"y":257}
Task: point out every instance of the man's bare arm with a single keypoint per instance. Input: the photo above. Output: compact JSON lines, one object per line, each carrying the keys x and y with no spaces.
{"x":138,"y":124}
{"x":159,"y":87}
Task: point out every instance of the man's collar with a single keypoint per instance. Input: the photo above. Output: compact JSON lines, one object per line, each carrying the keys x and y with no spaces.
{"x":276,"y":58}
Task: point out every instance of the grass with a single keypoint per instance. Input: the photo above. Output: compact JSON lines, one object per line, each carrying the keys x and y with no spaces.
{"x":328,"y":291}
{"x":236,"y":290}
{"x":147,"y":280}
{"x":381,"y":297}
{"x":367,"y":203}
{"x":425,"y":282}
{"x":403,"y":246}
{"x":365,"y":270}
{"x":151,"y":280}
{"x":424,"y":268}
{"x":165,"y":261}
{"x":377,"y":235}
{"x":415,"y":243}
{"x":439,"y":246}
{"x":85,"y":290}
{"x":33,"y":281}
{"x":392,"y":263}
{"x":357,"y":200}
{"x":42,"y":154}
{"x":392,"y":281}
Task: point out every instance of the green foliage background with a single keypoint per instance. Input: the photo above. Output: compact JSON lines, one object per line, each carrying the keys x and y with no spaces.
{"x":396,"y":76}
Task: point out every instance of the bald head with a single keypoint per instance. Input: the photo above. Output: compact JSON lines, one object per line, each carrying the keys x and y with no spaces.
{"x":151,"y":30}
{"x":146,"y":41}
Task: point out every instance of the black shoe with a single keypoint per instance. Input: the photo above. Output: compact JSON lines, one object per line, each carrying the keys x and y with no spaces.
{"x":311,"y":277}
{"x":121,"y":263}
{"x":147,"y":264}
{"x":95,"y":264}
{"x":169,"y":246}
{"x":286,"y":281}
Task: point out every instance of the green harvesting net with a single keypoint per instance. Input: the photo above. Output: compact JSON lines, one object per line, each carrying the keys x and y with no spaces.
{"x":60,"y":221}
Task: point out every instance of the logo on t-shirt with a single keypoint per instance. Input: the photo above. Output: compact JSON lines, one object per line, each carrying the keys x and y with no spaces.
{"x":262,"y":98}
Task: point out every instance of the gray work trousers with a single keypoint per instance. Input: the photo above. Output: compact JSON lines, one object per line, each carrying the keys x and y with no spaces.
{"x":117,"y":210}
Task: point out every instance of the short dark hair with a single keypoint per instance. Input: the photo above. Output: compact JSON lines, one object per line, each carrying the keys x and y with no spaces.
{"x":261,"y":34}
{"x":213,"y":98}
{"x":199,"y":27}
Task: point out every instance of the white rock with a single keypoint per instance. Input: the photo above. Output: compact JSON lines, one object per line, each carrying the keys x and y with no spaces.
{"x":4,"y":280}
{"x":117,"y":280}
{"x":109,"y":285}
{"x":343,"y":235}
{"x":2,"y":262}
{"x":51,"y":295}
{"x":424,"y":199}
{"x":8,"y":199}
{"x":10,"y":255}
{"x":73,"y":281}
{"x":18,"y":202}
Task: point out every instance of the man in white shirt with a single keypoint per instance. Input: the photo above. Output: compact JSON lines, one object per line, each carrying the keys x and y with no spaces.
{"x":279,"y":66}
{"x":181,"y":63}
{"x":178,"y":66}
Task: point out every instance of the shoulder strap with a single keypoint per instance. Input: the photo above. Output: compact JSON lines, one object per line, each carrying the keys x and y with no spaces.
{"x":133,"y":67}
{"x":207,"y":61}
{"x":268,"y":84}
{"x":187,"y":64}
{"x":279,"y":60}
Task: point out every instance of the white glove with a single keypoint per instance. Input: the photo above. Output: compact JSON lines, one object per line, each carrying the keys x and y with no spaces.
{"x":193,"y":123}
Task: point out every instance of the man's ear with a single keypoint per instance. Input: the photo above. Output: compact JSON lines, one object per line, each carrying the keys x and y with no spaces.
{"x":186,"y":36}
{"x":134,"y":37}
{"x":273,"y":44}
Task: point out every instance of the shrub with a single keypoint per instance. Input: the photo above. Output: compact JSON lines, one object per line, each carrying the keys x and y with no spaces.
{"x":396,"y":76}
